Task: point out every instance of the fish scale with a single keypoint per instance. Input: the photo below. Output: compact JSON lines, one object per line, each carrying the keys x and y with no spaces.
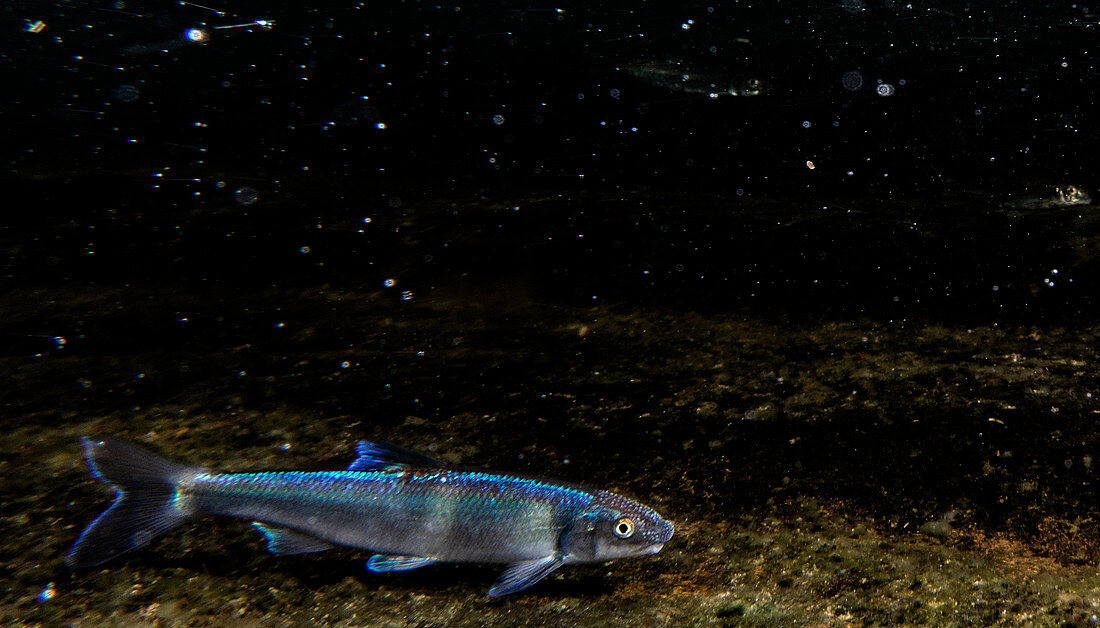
{"x":424,"y":513}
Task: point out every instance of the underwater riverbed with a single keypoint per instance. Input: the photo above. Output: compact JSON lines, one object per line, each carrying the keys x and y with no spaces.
{"x":818,"y":472}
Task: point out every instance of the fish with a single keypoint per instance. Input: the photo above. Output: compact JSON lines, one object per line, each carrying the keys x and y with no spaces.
{"x":680,"y":77}
{"x":1056,"y":197}
{"x":405,"y":508}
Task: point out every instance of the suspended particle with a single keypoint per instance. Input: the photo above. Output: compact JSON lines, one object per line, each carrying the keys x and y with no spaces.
{"x":885,"y":89}
{"x":614,"y":93}
{"x":810,"y":165}
{"x":852,"y":80}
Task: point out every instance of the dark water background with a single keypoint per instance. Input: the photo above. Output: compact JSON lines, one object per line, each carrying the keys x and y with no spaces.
{"x":842,"y":331}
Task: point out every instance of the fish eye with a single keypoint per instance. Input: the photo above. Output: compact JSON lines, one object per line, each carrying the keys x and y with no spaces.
{"x":624,"y":528}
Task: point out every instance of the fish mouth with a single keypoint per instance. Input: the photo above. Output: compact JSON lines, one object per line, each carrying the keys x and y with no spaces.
{"x":653,"y":549}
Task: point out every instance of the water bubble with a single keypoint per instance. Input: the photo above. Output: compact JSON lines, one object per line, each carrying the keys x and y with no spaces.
{"x":304,"y":250}
{"x":246,"y":196}
{"x":407,"y":295}
{"x":389,"y":283}
{"x":196,"y":35}
{"x":806,"y":124}
{"x":885,"y":89}
{"x":498,"y":119}
{"x":614,"y":93}
{"x":126,"y":93}
{"x":345,"y":364}
{"x":852,"y":80}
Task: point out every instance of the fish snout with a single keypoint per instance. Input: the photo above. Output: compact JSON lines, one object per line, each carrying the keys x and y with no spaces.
{"x":664,"y":533}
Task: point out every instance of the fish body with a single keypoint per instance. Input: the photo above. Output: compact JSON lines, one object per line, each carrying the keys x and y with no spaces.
{"x":1058,"y":196}
{"x":408,"y":509}
{"x":680,"y":77}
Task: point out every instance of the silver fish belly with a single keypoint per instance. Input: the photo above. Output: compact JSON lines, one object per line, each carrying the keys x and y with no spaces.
{"x":408,"y":509}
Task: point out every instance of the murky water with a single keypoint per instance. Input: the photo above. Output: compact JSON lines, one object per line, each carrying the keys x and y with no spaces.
{"x":841,"y":330}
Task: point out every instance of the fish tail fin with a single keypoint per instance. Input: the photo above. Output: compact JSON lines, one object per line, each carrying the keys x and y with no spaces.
{"x":146,"y":501}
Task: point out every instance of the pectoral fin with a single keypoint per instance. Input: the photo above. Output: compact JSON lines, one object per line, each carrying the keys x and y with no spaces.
{"x":284,"y":541}
{"x":519,"y":576}
{"x":381,"y":563}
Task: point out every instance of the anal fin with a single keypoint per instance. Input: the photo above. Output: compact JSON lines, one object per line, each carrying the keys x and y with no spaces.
{"x":284,"y":541}
{"x":519,"y":576}
{"x":381,"y":563}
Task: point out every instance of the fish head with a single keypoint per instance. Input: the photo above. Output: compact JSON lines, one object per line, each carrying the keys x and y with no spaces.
{"x":615,"y":527}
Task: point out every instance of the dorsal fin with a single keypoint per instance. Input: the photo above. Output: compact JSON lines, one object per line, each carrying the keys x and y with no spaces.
{"x":381,"y":456}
